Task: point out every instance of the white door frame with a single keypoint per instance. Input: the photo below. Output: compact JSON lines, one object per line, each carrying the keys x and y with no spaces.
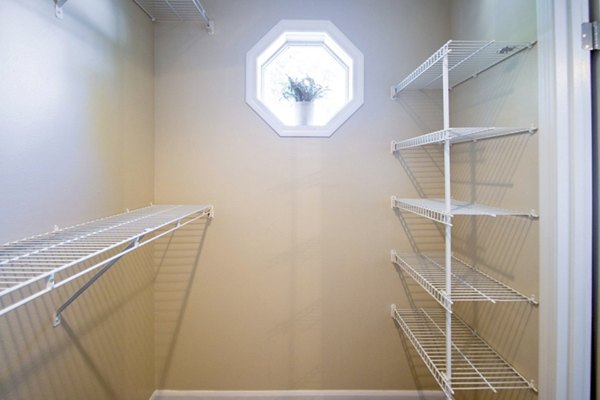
{"x":565,"y":201}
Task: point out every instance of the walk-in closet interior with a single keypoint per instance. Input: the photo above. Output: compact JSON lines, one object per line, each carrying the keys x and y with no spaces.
{"x":177,"y":225}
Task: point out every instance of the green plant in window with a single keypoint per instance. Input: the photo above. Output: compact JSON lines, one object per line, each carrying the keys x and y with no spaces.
{"x":305,"y":89}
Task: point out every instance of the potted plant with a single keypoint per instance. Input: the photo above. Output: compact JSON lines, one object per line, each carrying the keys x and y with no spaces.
{"x":303,"y":92}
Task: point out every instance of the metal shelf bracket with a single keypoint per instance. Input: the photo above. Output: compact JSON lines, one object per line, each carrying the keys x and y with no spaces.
{"x":533,"y":302}
{"x":58,"y":8}
{"x":533,"y":214}
{"x":50,"y":282}
{"x":532,"y":385}
{"x":210,"y":27}
{"x":58,"y":314}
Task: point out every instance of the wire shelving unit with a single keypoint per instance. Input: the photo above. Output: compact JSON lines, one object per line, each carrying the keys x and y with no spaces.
{"x":39,"y":264}
{"x":176,"y":10}
{"x":476,"y":365}
{"x":457,"y":357}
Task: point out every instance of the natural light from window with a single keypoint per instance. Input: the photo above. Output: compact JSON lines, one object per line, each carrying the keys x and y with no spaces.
{"x":304,"y":78}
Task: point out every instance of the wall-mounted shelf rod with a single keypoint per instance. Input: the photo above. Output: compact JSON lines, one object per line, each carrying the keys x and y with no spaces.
{"x":34,"y":266}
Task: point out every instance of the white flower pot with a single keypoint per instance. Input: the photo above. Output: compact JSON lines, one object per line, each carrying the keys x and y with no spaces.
{"x":303,"y":112}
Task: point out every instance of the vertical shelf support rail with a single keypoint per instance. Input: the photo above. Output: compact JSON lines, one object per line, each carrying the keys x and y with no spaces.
{"x":448,"y":228}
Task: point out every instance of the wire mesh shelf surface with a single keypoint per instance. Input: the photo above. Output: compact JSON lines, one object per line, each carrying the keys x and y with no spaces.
{"x":475,"y":365}
{"x":466,"y":59}
{"x":435,"y":209}
{"x":35,"y":263}
{"x":458,"y":135}
{"x":173,"y":10}
{"x":468,"y":282}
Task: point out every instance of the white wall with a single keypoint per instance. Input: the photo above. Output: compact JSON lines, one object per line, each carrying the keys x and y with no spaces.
{"x":294,"y":283}
{"x":76,"y":143}
{"x":76,"y":107}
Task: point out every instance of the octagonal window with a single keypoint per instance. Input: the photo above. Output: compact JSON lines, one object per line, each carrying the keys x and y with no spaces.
{"x":304,"y":78}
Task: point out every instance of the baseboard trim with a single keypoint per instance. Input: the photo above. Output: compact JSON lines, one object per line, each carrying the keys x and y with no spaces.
{"x":297,"y":395}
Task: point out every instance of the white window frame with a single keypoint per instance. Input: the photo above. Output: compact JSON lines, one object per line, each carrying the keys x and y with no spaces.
{"x":305,"y":31}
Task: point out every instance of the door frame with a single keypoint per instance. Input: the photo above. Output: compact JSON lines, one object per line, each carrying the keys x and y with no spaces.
{"x":565,"y":163}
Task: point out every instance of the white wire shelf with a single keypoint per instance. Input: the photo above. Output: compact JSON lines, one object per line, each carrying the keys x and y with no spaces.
{"x":42,"y":263}
{"x":468,"y":282}
{"x":466,"y":59}
{"x":176,"y":10}
{"x":435,"y":209}
{"x":458,"y":135}
{"x":475,"y":365}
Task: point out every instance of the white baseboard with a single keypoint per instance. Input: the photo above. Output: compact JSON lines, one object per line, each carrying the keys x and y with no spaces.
{"x":298,"y":395}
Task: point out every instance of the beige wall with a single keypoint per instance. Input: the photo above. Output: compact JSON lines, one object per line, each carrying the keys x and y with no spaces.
{"x":294,"y":283}
{"x":290,"y":286}
{"x":76,"y":142}
{"x":500,"y":172}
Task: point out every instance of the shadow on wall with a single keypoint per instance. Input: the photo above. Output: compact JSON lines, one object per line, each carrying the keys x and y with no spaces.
{"x":498,"y":95}
{"x":176,"y":258}
{"x":501,"y":395}
{"x":422,"y":378}
{"x":485,"y":171}
{"x":425,"y":108}
{"x":101,"y":350}
{"x":424,"y":166}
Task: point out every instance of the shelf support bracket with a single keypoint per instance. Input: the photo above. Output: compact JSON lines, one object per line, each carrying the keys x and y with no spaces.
{"x":58,"y":8}
{"x":210,"y":24}
{"x":58,"y":314}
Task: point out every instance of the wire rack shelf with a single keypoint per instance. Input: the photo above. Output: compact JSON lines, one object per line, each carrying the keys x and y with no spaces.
{"x":468,"y":282}
{"x":176,"y":11}
{"x":173,"y":10}
{"x":435,"y":209}
{"x":42,"y":263}
{"x":466,"y":59}
{"x":475,"y":365}
{"x":458,"y":135}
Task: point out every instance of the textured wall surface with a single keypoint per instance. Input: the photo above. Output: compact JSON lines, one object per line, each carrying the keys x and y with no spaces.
{"x":293,"y":286}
